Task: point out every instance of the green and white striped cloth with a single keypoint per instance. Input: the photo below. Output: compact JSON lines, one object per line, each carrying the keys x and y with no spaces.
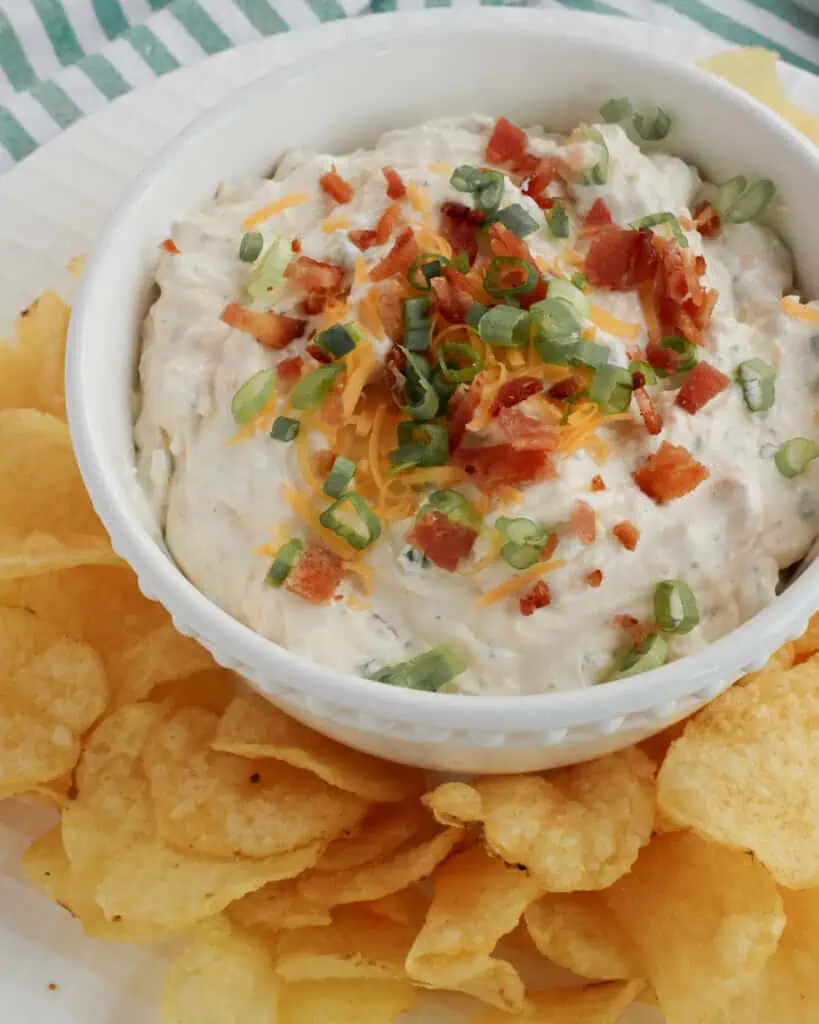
{"x":62,"y":59}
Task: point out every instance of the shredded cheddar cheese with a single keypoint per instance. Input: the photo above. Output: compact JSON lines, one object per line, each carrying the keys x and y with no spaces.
{"x":418,"y":198}
{"x":361,"y":273}
{"x":263,"y":420}
{"x":271,"y":209}
{"x":304,"y":511}
{"x":646,"y":293}
{"x":795,"y":309}
{"x":369,"y":314}
{"x":517,"y":583}
{"x":360,"y":364}
{"x":611,"y":325}
{"x":495,"y":544}
{"x":441,"y":167}
{"x":331,"y":224}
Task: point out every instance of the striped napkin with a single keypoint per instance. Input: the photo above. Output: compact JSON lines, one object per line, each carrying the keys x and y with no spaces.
{"x":62,"y":59}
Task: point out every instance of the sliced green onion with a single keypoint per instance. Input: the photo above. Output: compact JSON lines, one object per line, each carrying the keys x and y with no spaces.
{"x":599,"y":172}
{"x":525,"y":541}
{"x":505,"y":326}
{"x":459,"y":363}
{"x":615,"y":110}
{"x":675,"y":607}
{"x":555,"y":352}
{"x":556,"y":318}
{"x":341,"y":473}
{"x":489,"y":191}
{"x":520,"y":556}
{"x":611,"y":389}
{"x":422,"y":398}
{"x":474,"y":314}
{"x":336,"y":341}
{"x":443,"y":389}
{"x":517,"y":219}
{"x":500,"y":268}
{"x":580,"y":281}
{"x":454,"y":505}
{"x":651,"y":653}
{"x":428,"y":671}
{"x":270,"y":268}
{"x":423,"y":268}
{"x":285,"y":428}
{"x":352,"y":519}
{"x":251,"y":397}
{"x":653,"y":220}
{"x":557,"y":220}
{"x":465,"y":178}
{"x":416,"y":324}
{"x":646,"y":369}
{"x":687,"y":351}
{"x":758,"y":382}
{"x":590,"y":354}
{"x":250,"y":246}
{"x":652,"y":124}
{"x":795,"y":455}
{"x":738,"y":199}
{"x":314,"y":387}
{"x":569,"y":292}
{"x":283,"y":562}
{"x":423,"y":444}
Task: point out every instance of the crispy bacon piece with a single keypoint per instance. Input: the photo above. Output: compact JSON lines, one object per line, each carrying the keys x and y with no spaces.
{"x":386,"y":223}
{"x":621,"y":258}
{"x":270,"y":329}
{"x":537,"y":596}
{"x":669,"y":473}
{"x":395,"y":362}
{"x":339,"y":190}
{"x":314,"y":276}
{"x":443,"y":542}
{"x":459,"y":226}
{"x":504,"y":242}
{"x":396,"y":189}
{"x":599,"y":216}
{"x":169,"y":245}
{"x":706,"y":220}
{"x":323,"y":460}
{"x":313,"y":303}
{"x":499,"y":465}
{"x":583,"y":522}
{"x":564,"y":388}
{"x":295,"y":245}
{"x":364,"y":239}
{"x":598,"y":483}
{"x":316,"y":574}
{"x":507,"y":144}
{"x":666,"y":360}
{"x":594,"y":578}
{"x":390,"y":309}
{"x":289,"y":370}
{"x":398,"y":260}
{"x":636,"y":630}
{"x":684,"y":304}
{"x":702,"y":384}
{"x":513,"y":392}
{"x":548,"y":169}
{"x":527,"y":431}
{"x":461,"y":409}
{"x":450,"y":298}
{"x":651,"y":415}
{"x":627,"y":533}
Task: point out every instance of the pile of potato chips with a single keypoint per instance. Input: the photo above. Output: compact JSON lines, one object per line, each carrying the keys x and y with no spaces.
{"x":310,"y":883}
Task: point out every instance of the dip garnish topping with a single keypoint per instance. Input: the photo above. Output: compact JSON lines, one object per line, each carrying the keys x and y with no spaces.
{"x":675,"y":607}
{"x":795,"y":455}
{"x":758,"y":382}
{"x":428,"y":671}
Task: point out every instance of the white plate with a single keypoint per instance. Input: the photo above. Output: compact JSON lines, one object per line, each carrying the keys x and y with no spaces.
{"x":52,"y":207}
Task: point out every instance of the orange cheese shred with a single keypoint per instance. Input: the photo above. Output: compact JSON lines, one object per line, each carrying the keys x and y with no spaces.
{"x":795,"y":309}
{"x":263,"y":420}
{"x":418,"y":198}
{"x":646,"y":293}
{"x":331,"y":224}
{"x":516,"y":583}
{"x":361,"y":273}
{"x":271,"y":209}
{"x":304,"y":511}
{"x":611,"y":325}
{"x":360,"y":365}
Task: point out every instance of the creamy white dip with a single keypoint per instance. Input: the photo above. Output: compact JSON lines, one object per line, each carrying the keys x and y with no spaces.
{"x":218,"y":503}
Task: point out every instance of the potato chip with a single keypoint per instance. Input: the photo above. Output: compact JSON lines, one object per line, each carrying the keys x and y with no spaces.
{"x":32,"y":371}
{"x":277,"y":907}
{"x":593,"y":1004}
{"x":578,"y":931}
{"x":344,"y":1001}
{"x":51,"y":690}
{"x":220,"y":805}
{"x":356,"y":945}
{"x":409,"y":906}
{"x":224,"y":976}
{"x":744,"y":773}
{"x":788,"y":990}
{"x":806,"y":645}
{"x":577,"y":828}
{"x":252,"y":727}
{"x":705,"y":920}
{"x":29,"y":554}
{"x":211,"y":690}
{"x":382,"y":832}
{"x":478,"y":899}
{"x":161,"y":656}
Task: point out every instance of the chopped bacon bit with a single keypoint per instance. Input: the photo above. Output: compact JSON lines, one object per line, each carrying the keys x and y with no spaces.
{"x":445,"y":543}
{"x":390,"y":309}
{"x":289,"y":370}
{"x":537,"y":596}
{"x":621,"y":258}
{"x":583,"y":522}
{"x":513,"y":392}
{"x":386,"y":223}
{"x":700,"y":386}
{"x":627,"y":533}
{"x":564,"y":388}
{"x":666,"y":360}
{"x":684,"y":304}
{"x":319,"y":354}
{"x":313,"y":303}
{"x":594,"y":578}
{"x":461,"y":409}
{"x":295,"y":245}
{"x":599,"y":216}
{"x":169,"y":245}
{"x":507,"y":143}
{"x":450,"y":300}
{"x":396,"y":189}
{"x":316,"y":574}
{"x":636,"y":630}
{"x":550,"y":546}
{"x":459,"y":226}
{"x":499,"y":465}
{"x":339,"y":190}
{"x":315,"y":276}
{"x":332,"y":410}
{"x":527,"y":431}
{"x":598,"y":483}
{"x":270,"y":329}
{"x":504,"y":242}
{"x":651,"y":416}
{"x":706,"y":220}
{"x":549,"y":169}
{"x":669,"y":473}
{"x":364,"y":239}
{"x":398,"y":260}
{"x":395,"y":362}
{"x":323,"y":460}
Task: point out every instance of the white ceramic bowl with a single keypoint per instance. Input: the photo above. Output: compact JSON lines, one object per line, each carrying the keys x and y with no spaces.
{"x":529,"y":66}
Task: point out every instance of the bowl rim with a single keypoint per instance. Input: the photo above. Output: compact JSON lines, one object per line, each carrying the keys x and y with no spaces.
{"x":233,"y":641}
